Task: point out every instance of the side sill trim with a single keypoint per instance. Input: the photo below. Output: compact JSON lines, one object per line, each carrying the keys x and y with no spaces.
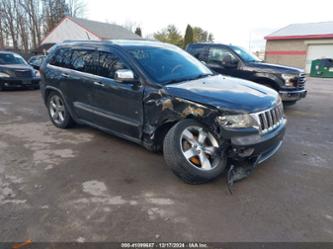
{"x":132,"y":139}
{"x":105,"y":115}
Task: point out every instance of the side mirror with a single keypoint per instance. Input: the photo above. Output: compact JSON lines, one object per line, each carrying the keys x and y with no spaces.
{"x":124,"y":75}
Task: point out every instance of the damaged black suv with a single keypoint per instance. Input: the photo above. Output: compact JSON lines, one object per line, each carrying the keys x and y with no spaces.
{"x":159,"y":96}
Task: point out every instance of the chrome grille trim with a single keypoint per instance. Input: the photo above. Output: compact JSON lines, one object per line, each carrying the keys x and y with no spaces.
{"x":275,"y":119}
{"x":23,"y":73}
{"x":269,"y":119}
{"x":301,"y":80}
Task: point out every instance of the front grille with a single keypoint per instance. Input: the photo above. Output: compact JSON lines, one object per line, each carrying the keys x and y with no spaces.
{"x":23,"y":73}
{"x":301,"y":80}
{"x":270,"y":119}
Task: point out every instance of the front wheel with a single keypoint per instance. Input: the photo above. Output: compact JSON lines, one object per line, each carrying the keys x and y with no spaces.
{"x":193,"y":153}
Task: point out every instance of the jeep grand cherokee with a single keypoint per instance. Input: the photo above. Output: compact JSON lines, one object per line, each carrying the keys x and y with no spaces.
{"x":159,"y":96}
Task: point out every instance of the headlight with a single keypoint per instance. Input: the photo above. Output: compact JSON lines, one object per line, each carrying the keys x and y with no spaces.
{"x":289,"y":79}
{"x":238,"y":121}
{"x":4,"y":75}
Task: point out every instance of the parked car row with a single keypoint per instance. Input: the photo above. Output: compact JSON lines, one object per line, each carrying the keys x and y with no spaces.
{"x":161,"y":97}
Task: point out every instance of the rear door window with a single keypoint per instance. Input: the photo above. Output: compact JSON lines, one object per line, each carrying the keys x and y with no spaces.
{"x":86,"y":61}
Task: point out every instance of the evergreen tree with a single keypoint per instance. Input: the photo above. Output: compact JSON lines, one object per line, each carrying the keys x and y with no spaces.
{"x":138,"y":31}
{"x":188,"y":35}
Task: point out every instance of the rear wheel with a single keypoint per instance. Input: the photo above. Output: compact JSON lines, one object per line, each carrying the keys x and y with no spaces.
{"x":192,"y":152}
{"x":58,"y":111}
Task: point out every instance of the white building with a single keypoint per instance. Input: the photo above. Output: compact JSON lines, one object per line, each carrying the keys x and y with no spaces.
{"x":71,"y":28}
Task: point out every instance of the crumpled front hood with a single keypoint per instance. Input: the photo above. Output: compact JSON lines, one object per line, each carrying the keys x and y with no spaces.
{"x":226,"y":93}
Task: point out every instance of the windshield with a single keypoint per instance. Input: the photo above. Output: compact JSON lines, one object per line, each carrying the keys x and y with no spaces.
{"x":245,"y":55}
{"x":6,"y":59}
{"x":168,"y":64}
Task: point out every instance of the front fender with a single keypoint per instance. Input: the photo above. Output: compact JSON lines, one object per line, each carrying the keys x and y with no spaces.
{"x":269,"y":79}
{"x":161,"y":109}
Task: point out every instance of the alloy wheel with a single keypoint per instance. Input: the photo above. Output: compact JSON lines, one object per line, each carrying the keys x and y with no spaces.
{"x":199,"y":148}
{"x":57,"y":109}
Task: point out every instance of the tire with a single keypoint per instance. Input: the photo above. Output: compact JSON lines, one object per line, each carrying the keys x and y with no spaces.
{"x":191,"y":169}
{"x":289,"y":103}
{"x":58,"y":111}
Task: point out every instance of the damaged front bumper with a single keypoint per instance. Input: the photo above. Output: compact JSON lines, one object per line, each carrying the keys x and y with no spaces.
{"x":249,"y":151}
{"x":258,"y":147}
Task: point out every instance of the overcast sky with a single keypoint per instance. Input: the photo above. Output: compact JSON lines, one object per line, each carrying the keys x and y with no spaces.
{"x":243,"y":23}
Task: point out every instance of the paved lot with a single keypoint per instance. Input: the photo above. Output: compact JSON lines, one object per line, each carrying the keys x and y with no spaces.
{"x":84,"y":185}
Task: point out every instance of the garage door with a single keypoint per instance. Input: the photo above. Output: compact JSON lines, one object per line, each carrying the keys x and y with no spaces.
{"x":318,"y":52}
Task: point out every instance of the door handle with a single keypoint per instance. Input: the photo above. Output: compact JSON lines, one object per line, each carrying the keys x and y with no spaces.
{"x":98,"y":83}
{"x":65,"y":75}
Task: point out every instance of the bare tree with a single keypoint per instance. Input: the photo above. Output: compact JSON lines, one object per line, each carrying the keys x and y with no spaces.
{"x":54,"y":12}
{"x":34,"y":18}
{"x":129,"y":25}
{"x":3,"y":30}
{"x":9,"y":19}
{"x":23,"y":23}
{"x":76,"y":8}
{"x":23,"y":31}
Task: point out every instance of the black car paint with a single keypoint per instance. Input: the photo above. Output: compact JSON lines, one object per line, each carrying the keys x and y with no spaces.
{"x":224,"y":92}
{"x":144,"y":111}
{"x":30,"y":80}
{"x":259,"y":72}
